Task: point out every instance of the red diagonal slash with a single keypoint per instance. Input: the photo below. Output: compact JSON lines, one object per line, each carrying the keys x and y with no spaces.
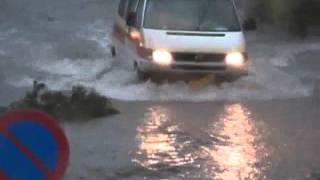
{"x":3,"y":177}
{"x":52,"y":127}
{"x":37,"y":162}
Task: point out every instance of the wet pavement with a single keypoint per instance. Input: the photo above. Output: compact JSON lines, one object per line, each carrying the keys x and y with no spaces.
{"x":264,"y":126}
{"x":222,"y":140}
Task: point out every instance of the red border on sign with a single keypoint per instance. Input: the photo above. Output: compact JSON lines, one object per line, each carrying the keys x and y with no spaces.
{"x":3,"y":177}
{"x":52,"y":126}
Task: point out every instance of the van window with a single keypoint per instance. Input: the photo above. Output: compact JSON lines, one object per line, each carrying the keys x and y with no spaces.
{"x":140,"y":13}
{"x":122,"y":7}
{"x":192,"y":15}
{"x":132,"y":6}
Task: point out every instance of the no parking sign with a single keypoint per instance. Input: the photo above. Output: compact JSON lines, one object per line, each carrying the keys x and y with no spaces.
{"x":32,"y":147}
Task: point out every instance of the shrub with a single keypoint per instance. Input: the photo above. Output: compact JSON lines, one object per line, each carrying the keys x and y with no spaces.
{"x":292,"y":15}
{"x":79,"y":104}
{"x":2,"y":110}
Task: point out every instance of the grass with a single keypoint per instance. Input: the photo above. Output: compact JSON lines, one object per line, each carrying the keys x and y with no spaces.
{"x":80,"y":103}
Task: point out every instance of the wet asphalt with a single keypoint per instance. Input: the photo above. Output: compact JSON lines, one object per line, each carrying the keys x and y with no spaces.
{"x":272,"y":138}
{"x":228,"y":140}
{"x":276,"y":139}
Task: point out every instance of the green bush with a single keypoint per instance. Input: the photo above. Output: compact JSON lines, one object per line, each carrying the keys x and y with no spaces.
{"x":292,"y":15}
{"x":79,"y":104}
{"x":306,"y":14}
{"x":2,"y":110}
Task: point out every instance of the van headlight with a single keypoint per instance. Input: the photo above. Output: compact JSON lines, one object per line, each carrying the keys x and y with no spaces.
{"x":162,"y":57}
{"x":235,"y":59}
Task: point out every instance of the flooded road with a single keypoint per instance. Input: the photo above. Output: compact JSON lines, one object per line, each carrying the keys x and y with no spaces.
{"x":227,"y":148}
{"x":264,"y":126}
{"x":214,"y":141}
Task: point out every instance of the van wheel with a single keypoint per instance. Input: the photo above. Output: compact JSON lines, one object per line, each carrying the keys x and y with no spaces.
{"x":142,"y":76}
{"x":113,"y":51}
{"x":227,"y":78}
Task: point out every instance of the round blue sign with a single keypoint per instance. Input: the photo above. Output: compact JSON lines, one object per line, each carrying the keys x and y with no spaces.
{"x":32,"y":146}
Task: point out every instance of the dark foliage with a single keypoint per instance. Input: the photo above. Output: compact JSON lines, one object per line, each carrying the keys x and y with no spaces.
{"x":250,"y":24}
{"x":306,"y":14}
{"x":295,"y":16}
{"x":2,"y":110}
{"x":79,"y":104}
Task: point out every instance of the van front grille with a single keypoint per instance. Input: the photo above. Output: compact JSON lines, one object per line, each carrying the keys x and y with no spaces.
{"x":198,"y":57}
{"x":198,"y":68}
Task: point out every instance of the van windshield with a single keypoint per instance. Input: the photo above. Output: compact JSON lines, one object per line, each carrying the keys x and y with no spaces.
{"x":191,"y":15}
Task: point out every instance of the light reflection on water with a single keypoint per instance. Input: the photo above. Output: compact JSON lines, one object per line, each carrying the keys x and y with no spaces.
{"x":231,"y":149}
{"x":239,"y":151}
{"x":160,"y":145}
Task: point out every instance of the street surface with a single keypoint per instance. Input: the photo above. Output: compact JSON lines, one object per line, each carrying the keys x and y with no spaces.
{"x":264,"y":126}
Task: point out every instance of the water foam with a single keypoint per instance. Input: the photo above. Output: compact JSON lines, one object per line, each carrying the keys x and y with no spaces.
{"x":266,"y":80}
{"x":62,"y":64}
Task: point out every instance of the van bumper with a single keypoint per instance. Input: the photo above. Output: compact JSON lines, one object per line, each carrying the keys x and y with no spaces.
{"x":192,"y":67}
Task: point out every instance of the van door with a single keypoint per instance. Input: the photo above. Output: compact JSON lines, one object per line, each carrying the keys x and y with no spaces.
{"x":120,"y":28}
{"x":137,"y":8}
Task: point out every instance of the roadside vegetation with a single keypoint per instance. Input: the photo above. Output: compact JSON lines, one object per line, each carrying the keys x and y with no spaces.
{"x":2,"y":110}
{"x":78,"y":104}
{"x":294,"y":16}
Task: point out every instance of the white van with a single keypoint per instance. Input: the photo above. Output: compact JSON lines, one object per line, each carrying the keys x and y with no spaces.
{"x":187,"y":36}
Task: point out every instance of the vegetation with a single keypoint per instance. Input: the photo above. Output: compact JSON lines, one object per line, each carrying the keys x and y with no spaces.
{"x":292,"y":15}
{"x":79,"y":104}
{"x":3,"y":109}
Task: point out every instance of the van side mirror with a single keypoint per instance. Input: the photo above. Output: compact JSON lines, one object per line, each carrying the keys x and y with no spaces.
{"x":131,"y":19}
{"x":250,"y":24}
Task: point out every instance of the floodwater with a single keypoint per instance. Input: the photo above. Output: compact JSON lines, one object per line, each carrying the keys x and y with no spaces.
{"x":231,"y":148}
{"x":264,"y":126}
{"x":66,"y":43}
{"x":275,"y":139}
